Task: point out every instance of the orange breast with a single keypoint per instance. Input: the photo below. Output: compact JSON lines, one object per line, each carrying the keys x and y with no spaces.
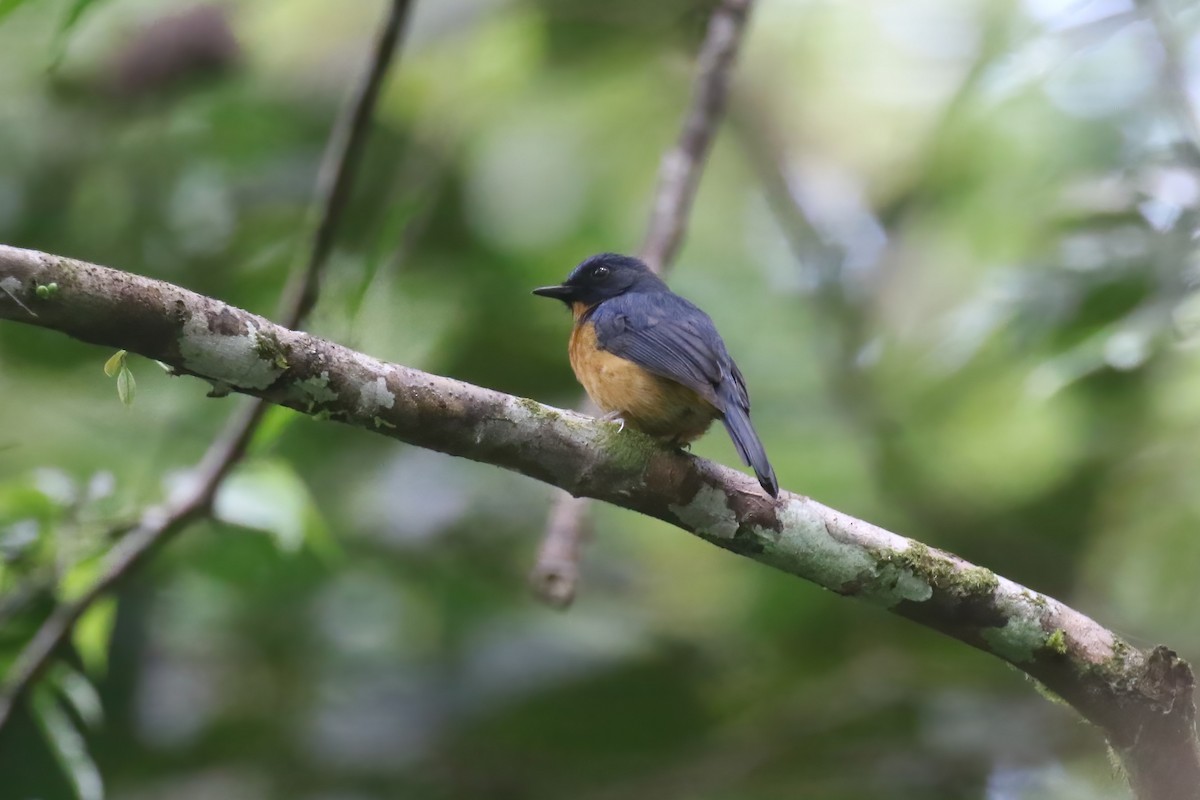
{"x":658,"y":406}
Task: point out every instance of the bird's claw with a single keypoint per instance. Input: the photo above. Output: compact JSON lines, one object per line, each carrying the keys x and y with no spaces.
{"x":614,"y":416}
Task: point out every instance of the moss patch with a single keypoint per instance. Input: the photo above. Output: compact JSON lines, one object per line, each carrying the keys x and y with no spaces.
{"x":537,"y":410}
{"x":630,"y":449}
{"x":1056,"y":642}
{"x":942,"y":574}
{"x":268,"y":349}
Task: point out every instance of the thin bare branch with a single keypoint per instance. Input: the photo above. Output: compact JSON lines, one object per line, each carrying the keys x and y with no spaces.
{"x":1142,"y":701}
{"x":555,"y":576}
{"x":339,"y":165}
{"x":335,"y":181}
{"x":679,"y":172}
{"x":555,"y":573}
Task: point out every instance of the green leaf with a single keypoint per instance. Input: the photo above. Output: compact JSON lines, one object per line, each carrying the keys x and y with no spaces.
{"x":24,"y":499}
{"x":126,"y":386}
{"x":78,"y":579}
{"x":79,"y":693}
{"x":117,"y":361}
{"x":67,"y":744}
{"x":267,"y":495}
{"x":275,"y":422}
{"x":93,"y":633}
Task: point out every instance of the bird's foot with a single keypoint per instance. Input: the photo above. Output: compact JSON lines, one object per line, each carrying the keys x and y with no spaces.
{"x":615,"y":416}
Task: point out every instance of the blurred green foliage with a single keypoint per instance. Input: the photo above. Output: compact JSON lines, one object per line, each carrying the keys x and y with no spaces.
{"x":987,"y":342}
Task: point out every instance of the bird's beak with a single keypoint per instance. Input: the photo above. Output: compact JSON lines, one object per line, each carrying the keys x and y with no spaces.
{"x":564,"y":293}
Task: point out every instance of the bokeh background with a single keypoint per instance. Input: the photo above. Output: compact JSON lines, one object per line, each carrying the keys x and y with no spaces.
{"x":950,"y":242}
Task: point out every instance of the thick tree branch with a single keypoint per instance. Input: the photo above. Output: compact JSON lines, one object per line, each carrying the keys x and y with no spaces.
{"x":556,"y":571}
{"x":1142,"y":701}
{"x":334,"y":183}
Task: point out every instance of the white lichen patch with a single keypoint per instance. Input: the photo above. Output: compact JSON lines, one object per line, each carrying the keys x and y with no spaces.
{"x":895,"y":582}
{"x":232,"y":358}
{"x":1018,"y":641}
{"x":11,"y":286}
{"x":375,"y":397}
{"x":315,"y":391}
{"x":805,"y":547}
{"x":709,"y":514}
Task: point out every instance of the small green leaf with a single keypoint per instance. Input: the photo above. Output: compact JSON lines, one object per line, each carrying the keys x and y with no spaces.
{"x":115,"y":363}
{"x":93,"y":633}
{"x":126,"y":386}
{"x":68,"y":745}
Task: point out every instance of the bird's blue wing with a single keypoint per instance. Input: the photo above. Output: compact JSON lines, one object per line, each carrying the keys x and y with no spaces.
{"x":670,"y":337}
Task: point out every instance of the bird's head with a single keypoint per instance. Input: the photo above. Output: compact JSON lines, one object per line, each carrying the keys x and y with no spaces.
{"x":601,"y":278}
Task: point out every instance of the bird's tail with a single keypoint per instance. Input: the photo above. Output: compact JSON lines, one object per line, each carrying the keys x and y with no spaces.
{"x":750,"y":447}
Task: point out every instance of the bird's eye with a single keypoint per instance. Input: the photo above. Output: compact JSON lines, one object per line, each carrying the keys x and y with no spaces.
{"x":600,"y":273}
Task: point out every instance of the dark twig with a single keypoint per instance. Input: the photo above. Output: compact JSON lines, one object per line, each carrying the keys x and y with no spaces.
{"x":334,"y":183}
{"x":679,"y":172}
{"x":555,"y":573}
{"x":338,"y":166}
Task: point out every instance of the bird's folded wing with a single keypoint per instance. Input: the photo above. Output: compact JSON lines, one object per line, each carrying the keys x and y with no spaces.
{"x":669,"y":337}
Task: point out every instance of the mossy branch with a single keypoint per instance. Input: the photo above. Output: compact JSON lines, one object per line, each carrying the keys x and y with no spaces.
{"x":1142,"y":701}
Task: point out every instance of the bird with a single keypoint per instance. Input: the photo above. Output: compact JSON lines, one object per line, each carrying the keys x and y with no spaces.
{"x":651,"y":359}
